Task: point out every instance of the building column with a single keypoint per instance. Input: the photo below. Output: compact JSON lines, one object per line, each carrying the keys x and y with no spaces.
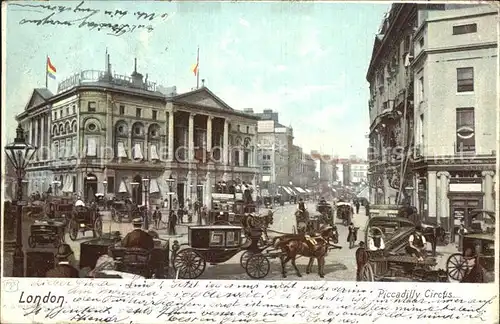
{"x":170,"y":136}
{"x":415,"y":193}
{"x":31,"y":133}
{"x":443,"y":198}
{"x":431,"y":194}
{"x":35,"y":140}
{"x":145,"y":147}
{"x":191,"y":137}
{"x":209,"y":133}
{"x":42,"y":140}
{"x":488,"y":202}
{"x":240,"y":157}
{"x":208,"y":192}
{"x":226,"y":142}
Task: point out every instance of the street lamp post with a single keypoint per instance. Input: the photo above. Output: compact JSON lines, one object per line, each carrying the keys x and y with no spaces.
{"x":170,"y":182}
{"x":199,"y":202}
{"x":19,"y":154}
{"x":145,"y":182}
{"x":105,"y":189}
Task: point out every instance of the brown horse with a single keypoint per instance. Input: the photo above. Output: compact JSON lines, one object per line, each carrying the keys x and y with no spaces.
{"x":313,"y":247}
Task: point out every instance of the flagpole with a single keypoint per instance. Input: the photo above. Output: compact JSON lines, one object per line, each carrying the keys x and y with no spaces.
{"x":46,"y":72}
{"x":198,"y":69}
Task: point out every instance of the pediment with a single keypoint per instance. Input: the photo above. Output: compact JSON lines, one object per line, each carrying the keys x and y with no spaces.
{"x":202,"y":97}
{"x":37,"y":98}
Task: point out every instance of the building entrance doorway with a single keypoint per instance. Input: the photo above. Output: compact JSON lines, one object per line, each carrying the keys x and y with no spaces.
{"x":137,"y":190}
{"x":461,"y":208}
{"x":90,"y":187}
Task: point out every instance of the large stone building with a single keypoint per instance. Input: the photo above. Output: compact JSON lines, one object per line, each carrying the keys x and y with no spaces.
{"x":455,"y":78}
{"x":275,"y":142}
{"x":449,"y":149}
{"x":390,"y":104}
{"x":109,"y":132}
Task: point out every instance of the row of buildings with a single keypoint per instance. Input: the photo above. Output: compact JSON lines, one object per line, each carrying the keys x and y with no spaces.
{"x":433,"y":99}
{"x":105,"y":133}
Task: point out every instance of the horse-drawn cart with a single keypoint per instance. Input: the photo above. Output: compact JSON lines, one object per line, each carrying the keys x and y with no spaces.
{"x":46,"y":232}
{"x":476,"y":247}
{"x":121,"y":211}
{"x":85,"y":219}
{"x":345,"y":212}
{"x":217,"y":244}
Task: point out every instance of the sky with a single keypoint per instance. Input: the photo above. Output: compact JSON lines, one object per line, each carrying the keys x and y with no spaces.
{"x":308,"y":61}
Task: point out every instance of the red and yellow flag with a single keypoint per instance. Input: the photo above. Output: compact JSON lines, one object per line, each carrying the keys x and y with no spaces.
{"x":51,"y":69}
{"x":195,"y":66}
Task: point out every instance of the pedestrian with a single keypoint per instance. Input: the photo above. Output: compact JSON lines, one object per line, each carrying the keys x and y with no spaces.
{"x":352,"y":236}
{"x":172,"y":221}
{"x":157,"y":217}
{"x":356,"y":203}
{"x":461,"y":232}
{"x":361,"y":259}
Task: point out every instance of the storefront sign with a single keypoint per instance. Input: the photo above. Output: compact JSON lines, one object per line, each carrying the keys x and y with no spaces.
{"x":465,"y":187}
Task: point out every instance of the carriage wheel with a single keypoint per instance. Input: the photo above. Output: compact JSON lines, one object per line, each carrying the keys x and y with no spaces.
{"x":367,"y":273}
{"x":31,"y":242}
{"x":257,"y":266}
{"x":244,"y":258}
{"x":73,"y":229}
{"x":97,"y":231}
{"x":189,"y":263}
{"x":457,"y":267}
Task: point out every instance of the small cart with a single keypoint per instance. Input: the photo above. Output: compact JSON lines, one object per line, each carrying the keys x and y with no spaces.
{"x":46,"y":232}
{"x":85,"y":219}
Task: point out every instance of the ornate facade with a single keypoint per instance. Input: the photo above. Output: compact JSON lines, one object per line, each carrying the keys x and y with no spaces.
{"x":106,"y":133}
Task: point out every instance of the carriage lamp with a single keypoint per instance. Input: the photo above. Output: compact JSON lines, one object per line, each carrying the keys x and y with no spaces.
{"x":145,"y":183}
{"x":19,"y":154}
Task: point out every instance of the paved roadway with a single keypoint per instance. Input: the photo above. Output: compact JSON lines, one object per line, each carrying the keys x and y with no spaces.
{"x":340,"y":263}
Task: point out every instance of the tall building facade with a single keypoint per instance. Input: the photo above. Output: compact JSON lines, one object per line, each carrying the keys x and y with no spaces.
{"x":391,"y":104}
{"x":449,"y":56}
{"x":104,"y":132}
{"x":275,"y":147}
{"x":455,"y":76}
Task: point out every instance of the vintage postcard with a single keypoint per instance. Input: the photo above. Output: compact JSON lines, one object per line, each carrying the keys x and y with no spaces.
{"x":283,"y":162}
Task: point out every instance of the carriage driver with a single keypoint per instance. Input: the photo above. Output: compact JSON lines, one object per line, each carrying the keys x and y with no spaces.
{"x":79,"y":202}
{"x":302,"y":205}
{"x":416,"y":244}
{"x":376,"y":241}
{"x":138,"y":238}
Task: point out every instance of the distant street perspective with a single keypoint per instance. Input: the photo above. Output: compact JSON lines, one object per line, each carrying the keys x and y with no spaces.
{"x":360,"y":153}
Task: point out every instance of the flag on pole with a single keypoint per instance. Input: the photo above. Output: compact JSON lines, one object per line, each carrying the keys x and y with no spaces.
{"x":195,"y":67}
{"x":51,"y":69}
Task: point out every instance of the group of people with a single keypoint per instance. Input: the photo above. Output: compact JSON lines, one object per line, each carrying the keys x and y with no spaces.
{"x":65,"y":266}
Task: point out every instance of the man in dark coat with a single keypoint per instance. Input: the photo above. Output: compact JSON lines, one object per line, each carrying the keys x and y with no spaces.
{"x":64,"y":268}
{"x":172,"y":221}
{"x":138,"y":238}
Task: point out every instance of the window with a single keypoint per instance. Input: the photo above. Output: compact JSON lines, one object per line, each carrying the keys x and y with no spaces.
{"x":92,"y":106}
{"x":67,"y":110}
{"x":122,"y":110}
{"x":465,"y":130}
{"x":55,"y":115}
{"x":465,"y":79}
{"x":464,"y":29}
{"x":91,"y":147}
{"x":421,"y":42}
{"x":248,"y":129}
{"x":421,"y":86}
{"x":138,"y":112}
{"x":238,"y":128}
{"x":155,"y":114}
{"x":73,"y":108}
{"x":216,"y":239}
{"x":111,"y":185}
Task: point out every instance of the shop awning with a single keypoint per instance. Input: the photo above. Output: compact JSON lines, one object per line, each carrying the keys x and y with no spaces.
{"x":122,"y":153}
{"x":153,"y":186}
{"x":300,"y":190}
{"x":68,"y":184}
{"x":138,"y":152}
{"x":288,"y":190}
{"x":308,"y":190}
{"x":154,"y":152}
{"x":123,"y":187}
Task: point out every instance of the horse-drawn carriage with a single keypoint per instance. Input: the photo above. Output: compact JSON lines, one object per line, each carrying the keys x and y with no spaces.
{"x":217,"y":244}
{"x":85,"y":219}
{"x":345,"y":212}
{"x":393,"y":263}
{"x":231,"y":214}
{"x":58,"y":209}
{"x":476,"y":247}
{"x":46,"y":232}
{"x":121,"y":211}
